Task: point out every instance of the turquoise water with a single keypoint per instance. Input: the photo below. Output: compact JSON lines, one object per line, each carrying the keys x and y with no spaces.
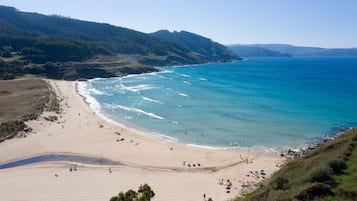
{"x":269,"y":102}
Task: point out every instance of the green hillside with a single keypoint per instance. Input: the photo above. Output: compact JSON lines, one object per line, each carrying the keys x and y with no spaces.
{"x":327,"y":173}
{"x":65,"y":48}
{"x":202,"y":47}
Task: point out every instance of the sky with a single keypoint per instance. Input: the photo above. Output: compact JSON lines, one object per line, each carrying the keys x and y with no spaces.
{"x":321,"y":23}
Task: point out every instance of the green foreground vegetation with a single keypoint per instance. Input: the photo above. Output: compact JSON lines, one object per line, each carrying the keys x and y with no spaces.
{"x":22,"y":100}
{"x":144,"y":193}
{"x":327,"y":173}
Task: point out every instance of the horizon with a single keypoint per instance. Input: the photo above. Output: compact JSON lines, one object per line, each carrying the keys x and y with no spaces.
{"x":320,"y":24}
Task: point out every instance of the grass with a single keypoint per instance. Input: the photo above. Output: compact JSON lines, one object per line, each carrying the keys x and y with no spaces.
{"x":327,"y":173}
{"x":348,"y":180}
{"x":21,"y":100}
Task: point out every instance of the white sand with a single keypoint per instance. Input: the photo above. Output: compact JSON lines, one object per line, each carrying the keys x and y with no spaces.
{"x":146,"y":159}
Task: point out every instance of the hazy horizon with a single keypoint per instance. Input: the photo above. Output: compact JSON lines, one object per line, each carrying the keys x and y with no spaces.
{"x":327,"y":24}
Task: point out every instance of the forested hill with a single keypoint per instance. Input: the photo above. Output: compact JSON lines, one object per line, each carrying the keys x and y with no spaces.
{"x":33,"y":38}
{"x":201,"y":46}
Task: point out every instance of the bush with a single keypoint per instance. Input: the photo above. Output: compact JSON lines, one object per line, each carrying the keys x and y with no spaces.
{"x":312,"y":191}
{"x":144,"y":194}
{"x":320,"y":174}
{"x":337,"y":166}
{"x":281,"y":184}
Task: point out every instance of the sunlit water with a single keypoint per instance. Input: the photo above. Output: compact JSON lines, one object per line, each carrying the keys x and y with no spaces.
{"x":269,"y":102}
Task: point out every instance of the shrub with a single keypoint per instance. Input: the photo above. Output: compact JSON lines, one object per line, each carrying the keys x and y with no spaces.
{"x":320,"y":174}
{"x":144,"y":194}
{"x":337,"y":166}
{"x":281,"y":183}
{"x":314,"y":190}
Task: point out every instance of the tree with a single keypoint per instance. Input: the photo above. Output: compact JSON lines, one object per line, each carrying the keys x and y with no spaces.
{"x":144,"y":194}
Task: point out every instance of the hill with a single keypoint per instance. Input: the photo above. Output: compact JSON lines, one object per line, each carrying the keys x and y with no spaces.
{"x":251,"y":51}
{"x":308,"y":51}
{"x":201,"y":46}
{"x":328,"y":172}
{"x":79,"y":48}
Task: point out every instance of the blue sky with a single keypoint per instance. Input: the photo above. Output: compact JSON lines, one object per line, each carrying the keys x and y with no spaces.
{"x":323,"y":23}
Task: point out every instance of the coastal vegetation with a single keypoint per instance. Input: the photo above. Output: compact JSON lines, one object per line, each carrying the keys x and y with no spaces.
{"x":202,"y":46}
{"x":329,"y":172}
{"x":22,"y":100}
{"x":144,"y":193}
{"x":63,"y":48}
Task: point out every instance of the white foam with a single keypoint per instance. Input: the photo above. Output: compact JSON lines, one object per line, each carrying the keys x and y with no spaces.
{"x":186,"y":82}
{"x":95,"y":91}
{"x":136,"y":88}
{"x":182,"y":94}
{"x":184,"y":75}
{"x":136,"y":110}
{"x":165,"y":71}
{"x":152,"y":100}
{"x":84,"y":91}
{"x":177,"y":92}
{"x":164,"y":138}
{"x":206,"y":147}
{"x":202,"y":79}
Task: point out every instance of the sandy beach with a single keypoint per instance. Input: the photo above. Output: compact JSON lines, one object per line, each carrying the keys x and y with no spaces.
{"x":145,"y":158}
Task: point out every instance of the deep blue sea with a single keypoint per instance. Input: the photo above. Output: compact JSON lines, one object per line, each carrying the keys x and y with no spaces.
{"x":257,"y":102}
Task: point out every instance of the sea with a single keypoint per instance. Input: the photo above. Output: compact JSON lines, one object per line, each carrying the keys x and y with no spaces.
{"x":255,"y":102}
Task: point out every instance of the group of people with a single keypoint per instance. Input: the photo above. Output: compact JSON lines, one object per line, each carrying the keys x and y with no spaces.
{"x":193,"y":164}
{"x":73,"y":168}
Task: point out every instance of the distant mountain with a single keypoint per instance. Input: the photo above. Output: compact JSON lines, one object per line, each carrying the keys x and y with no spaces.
{"x":199,"y":45}
{"x":308,"y":51}
{"x":32,"y":39}
{"x":252,"y":51}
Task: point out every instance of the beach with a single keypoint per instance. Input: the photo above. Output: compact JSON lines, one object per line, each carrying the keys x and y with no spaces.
{"x":175,"y":171}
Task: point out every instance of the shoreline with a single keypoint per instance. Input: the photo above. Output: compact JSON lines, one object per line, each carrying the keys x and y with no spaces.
{"x":166,"y":138}
{"x":168,"y":167}
{"x":95,"y":106}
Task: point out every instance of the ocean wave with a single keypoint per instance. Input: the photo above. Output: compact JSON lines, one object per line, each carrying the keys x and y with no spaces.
{"x":152,"y":100}
{"x":95,"y":91}
{"x":165,"y":71}
{"x":84,"y":90}
{"x":202,"y":79}
{"x":186,"y":82}
{"x":134,"y":76}
{"x":182,"y":94}
{"x":184,"y":75}
{"x":136,"y":88}
{"x":135,"y":110}
{"x":178,"y":93}
{"x":164,"y":138}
